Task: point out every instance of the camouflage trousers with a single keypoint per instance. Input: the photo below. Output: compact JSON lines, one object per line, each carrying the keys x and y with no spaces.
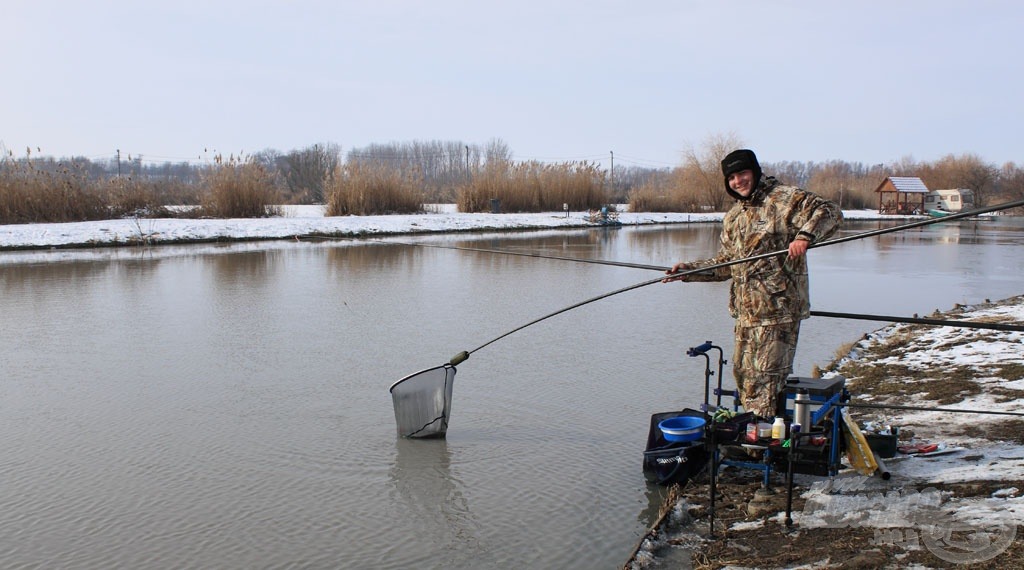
{"x":762,"y":362}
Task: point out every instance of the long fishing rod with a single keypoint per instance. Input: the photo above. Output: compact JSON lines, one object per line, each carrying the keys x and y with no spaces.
{"x":921,"y":321}
{"x":928,"y":409}
{"x":827,"y":314}
{"x":462,"y":356}
{"x":881,"y":231}
{"x":535,"y":255}
{"x":422,"y":400}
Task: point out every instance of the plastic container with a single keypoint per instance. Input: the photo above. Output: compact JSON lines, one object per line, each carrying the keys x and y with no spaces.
{"x":682,"y":428}
{"x":779,"y":428}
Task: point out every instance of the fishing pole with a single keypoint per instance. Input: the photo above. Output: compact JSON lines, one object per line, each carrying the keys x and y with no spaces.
{"x":921,"y":321}
{"x":862,"y":235}
{"x":535,"y":255}
{"x":462,"y":356}
{"x":928,"y":409}
{"x":827,"y":314}
{"x":422,"y":399}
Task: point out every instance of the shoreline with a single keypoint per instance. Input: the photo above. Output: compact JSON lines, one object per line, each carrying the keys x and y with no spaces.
{"x":309,"y":222}
{"x":852,"y":521}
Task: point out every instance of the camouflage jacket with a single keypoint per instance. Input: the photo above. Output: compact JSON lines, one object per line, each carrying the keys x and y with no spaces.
{"x":772,"y":290}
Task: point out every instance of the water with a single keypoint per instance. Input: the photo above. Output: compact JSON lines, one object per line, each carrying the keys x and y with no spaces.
{"x":227,"y":406}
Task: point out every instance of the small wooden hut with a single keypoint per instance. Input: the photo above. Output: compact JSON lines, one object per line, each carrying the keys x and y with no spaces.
{"x":901,"y":195}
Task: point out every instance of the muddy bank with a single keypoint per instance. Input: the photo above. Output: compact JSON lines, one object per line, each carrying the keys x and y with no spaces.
{"x":961,"y":507}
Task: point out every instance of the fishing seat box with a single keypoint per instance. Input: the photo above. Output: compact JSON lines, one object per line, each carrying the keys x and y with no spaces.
{"x":811,"y":459}
{"x":668,"y":462}
{"x":819,"y":390}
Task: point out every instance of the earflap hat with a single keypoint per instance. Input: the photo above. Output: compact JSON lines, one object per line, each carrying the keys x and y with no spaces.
{"x":738,"y":161}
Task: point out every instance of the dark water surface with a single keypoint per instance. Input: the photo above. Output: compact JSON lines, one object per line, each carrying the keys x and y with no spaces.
{"x":227,"y":406}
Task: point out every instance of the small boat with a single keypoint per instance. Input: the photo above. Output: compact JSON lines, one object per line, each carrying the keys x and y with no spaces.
{"x":935,"y":213}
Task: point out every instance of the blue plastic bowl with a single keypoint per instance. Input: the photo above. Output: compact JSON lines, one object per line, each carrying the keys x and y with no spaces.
{"x":682,"y":428}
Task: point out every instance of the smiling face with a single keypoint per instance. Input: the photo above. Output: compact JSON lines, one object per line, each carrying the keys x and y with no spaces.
{"x":742,"y":182}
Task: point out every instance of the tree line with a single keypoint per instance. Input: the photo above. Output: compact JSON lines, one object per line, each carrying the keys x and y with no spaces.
{"x":474,"y":176}
{"x":697,"y":183}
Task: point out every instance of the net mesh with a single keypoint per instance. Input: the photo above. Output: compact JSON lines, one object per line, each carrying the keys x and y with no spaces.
{"x":423,"y":402}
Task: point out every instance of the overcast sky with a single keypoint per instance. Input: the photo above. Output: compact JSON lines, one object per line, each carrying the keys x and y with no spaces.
{"x":866,"y":81}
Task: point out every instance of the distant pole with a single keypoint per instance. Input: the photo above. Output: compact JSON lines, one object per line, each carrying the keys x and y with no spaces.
{"x":118,"y":163}
{"x":611,"y":172}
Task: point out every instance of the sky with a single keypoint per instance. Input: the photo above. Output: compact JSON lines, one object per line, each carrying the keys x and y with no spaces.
{"x":870,"y":81}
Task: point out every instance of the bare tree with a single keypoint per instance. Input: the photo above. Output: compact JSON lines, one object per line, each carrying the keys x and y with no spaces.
{"x":964,"y":171}
{"x":497,"y":151}
{"x":905,"y":166}
{"x":306,"y":171}
{"x":1010,"y":183}
{"x":701,"y":172}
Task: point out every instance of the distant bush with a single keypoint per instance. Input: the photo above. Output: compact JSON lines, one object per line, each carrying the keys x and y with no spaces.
{"x":358,"y":189}
{"x":239,"y":189}
{"x":534,"y":187}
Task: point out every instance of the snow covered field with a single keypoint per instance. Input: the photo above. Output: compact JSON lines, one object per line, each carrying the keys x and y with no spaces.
{"x":306,"y":220}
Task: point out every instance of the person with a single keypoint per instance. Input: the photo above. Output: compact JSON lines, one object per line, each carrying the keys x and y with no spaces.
{"x":770,"y":296}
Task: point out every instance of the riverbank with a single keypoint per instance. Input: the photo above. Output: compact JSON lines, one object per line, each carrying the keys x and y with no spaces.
{"x":958,"y":507}
{"x":308,"y":221}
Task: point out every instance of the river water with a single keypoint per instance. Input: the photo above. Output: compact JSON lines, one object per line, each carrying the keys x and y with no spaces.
{"x":227,"y":406}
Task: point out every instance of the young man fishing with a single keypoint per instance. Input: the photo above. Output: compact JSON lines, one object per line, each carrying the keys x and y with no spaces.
{"x":768,"y":297}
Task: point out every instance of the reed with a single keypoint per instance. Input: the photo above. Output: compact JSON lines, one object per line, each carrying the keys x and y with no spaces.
{"x":31,"y":195}
{"x":689,"y":188}
{"x":363,"y":189}
{"x":239,"y":188}
{"x":534,"y":187}
{"x":130,"y":198}
{"x":665,"y":196}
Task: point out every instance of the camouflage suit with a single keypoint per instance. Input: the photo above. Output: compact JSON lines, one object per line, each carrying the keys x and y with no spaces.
{"x":768,"y":297}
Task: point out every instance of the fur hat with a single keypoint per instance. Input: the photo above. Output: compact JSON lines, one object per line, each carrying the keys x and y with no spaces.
{"x":738,"y":161}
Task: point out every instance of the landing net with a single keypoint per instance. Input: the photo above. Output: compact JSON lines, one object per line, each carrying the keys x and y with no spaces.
{"x":423,"y":402}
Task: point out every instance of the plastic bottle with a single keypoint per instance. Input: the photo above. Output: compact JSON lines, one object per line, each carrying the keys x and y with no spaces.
{"x":779,"y":428}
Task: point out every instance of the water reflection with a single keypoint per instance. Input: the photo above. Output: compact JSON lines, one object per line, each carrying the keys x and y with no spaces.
{"x":430,"y":494}
{"x":248,"y":268}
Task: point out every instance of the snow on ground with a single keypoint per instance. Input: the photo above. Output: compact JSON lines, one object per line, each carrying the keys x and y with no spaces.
{"x":307,"y":220}
{"x":908,"y":498}
{"x":915,"y":508}
{"x":943,"y":349}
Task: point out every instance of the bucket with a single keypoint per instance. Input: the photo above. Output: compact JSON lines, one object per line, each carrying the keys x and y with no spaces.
{"x":682,"y":428}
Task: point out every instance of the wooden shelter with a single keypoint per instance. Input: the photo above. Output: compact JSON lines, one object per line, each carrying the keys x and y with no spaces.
{"x":901,"y":195}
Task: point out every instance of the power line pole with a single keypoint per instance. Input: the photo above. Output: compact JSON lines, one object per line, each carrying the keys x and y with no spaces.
{"x":611,"y":172}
